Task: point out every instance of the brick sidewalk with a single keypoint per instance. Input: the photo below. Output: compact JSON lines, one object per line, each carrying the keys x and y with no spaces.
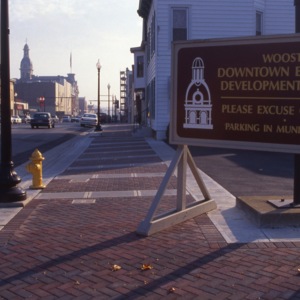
{"x":66,"y":248}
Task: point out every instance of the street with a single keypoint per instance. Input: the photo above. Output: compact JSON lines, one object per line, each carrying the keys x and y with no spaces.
{"x":248,"y":173}
{"x":25,"y":139}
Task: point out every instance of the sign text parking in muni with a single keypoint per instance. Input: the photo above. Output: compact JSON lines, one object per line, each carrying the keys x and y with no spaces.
{"x":237,"y":93}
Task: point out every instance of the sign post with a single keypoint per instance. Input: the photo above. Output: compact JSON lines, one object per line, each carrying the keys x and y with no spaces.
{"x":297,"y":156}
{"x":183,"y":211}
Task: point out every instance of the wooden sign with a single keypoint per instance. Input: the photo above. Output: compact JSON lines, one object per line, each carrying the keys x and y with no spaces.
{"x":237,"y":93}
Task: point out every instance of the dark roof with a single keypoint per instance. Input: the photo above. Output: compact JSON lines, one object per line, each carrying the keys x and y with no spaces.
{"x":136,"y":49}
{"x":144,"y":8}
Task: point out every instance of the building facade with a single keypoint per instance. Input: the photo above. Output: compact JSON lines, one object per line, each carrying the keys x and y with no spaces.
{"x":55,"y":94}
{"x":165,"y":21}
{"x":82,"y":106}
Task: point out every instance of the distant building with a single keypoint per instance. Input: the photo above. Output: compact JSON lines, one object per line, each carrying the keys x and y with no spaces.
{"x":126,"y":105}
{"x":56,"y":94}
{"x":165,"y":21}
{"x":16,"y":108}
{"x":82,"y":105}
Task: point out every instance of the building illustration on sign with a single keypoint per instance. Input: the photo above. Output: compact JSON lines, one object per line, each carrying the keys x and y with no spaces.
{"x":198,"y":105}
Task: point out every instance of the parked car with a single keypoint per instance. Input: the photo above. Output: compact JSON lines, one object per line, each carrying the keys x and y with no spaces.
{"x":42,"y":119}
{"x":89,"y":120}
{"x":76,"y":119}
{"x":66,"y":119}
{"x":55,"y":118}
{"x":16,"y":120}
{"x":26,"y":119}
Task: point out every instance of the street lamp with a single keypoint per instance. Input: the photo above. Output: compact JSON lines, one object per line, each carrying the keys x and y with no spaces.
{"x":15,"y":105}
{"x":42,"y":103}
{"x":108,"y":87}
{"x":9,"y":192}
{"x":98,"y":127}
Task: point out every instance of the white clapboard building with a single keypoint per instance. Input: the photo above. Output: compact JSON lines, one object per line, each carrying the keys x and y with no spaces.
{"x":165,"y":21}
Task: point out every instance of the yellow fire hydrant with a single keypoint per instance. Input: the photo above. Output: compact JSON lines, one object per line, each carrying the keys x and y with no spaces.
{"x":35,"y":167}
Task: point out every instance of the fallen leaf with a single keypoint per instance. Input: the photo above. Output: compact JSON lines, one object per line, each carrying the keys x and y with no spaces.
{"x":116,"y":267}
{"x":146,"y":267}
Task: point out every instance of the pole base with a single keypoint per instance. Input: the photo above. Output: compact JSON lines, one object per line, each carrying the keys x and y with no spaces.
{"x":12,"y":194}
{"x":98,"y":128}
{"x":37,"y":187}
{"x":284,"y":203}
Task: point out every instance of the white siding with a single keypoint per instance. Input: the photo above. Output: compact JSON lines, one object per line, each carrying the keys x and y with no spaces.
{"x":150,"y":67}
{"x":223,"y":19}
{"x":279,"y":17}
{"x":260,"y":5}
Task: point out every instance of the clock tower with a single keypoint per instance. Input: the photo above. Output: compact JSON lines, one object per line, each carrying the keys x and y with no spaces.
{"x":26,"y":65}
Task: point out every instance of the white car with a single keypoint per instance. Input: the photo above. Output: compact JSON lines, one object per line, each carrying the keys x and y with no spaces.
{"x":26,"y":119}
{"x":16,"y":120}
{"x":89,"y":120}
{"x":55,"y":118}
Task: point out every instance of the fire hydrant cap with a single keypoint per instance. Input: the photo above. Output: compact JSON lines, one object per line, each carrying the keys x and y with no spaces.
{"x":37,"y":155}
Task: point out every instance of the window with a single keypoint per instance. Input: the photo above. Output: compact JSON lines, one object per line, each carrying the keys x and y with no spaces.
{"x":140,"y":66}
{"x":151,"y":39}
{"x":179,"y":24}
{"x":151,"y":98}
{"x":259,"y":21}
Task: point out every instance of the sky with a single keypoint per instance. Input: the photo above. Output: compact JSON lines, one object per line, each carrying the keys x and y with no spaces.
{"x":76,"y":33}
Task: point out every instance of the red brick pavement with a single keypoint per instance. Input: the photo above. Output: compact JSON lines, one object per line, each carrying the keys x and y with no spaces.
{"x":55,"y":249}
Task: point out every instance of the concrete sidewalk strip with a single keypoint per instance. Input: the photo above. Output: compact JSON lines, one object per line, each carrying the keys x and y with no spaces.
{"x":115,"y":157}
{"x":100,"y":194}
{"x":84,"y":201}
{"x":111,"y":166}
{"x":109,"y":151}
{"x":7,"y":214}
{"x":127,"y":142}
{"x":84,"y":177}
